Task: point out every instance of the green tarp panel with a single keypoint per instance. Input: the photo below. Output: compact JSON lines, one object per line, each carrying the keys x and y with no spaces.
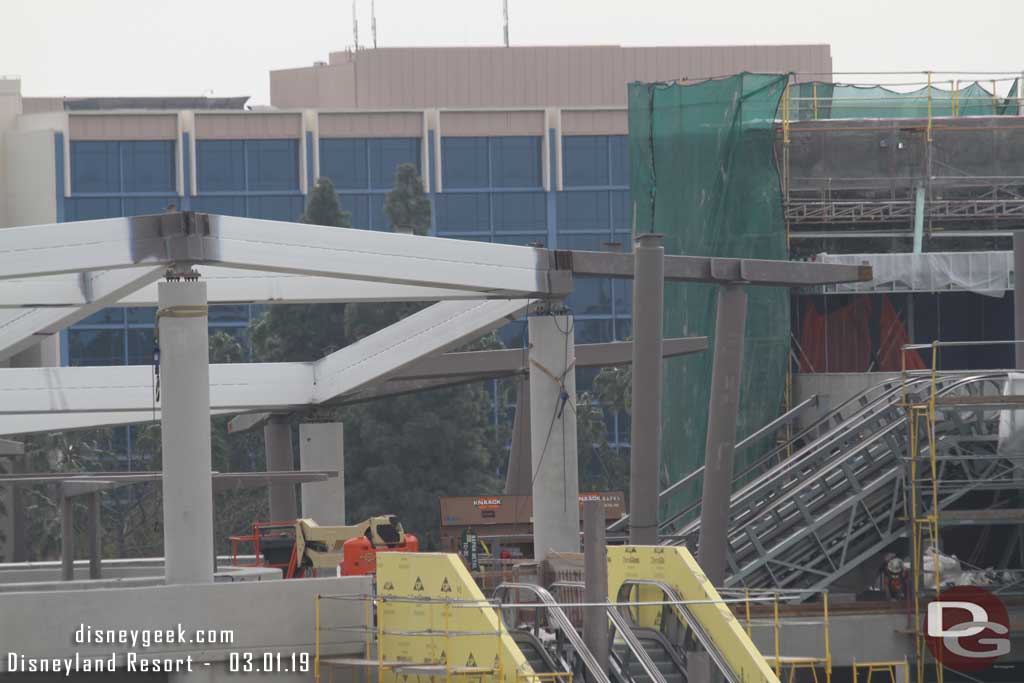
{"x":703,"y":173}
{"x":838,"y":101}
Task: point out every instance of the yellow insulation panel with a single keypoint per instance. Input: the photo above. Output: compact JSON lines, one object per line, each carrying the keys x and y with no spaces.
{"x":675,"y":567}
{"x":429,"y":621}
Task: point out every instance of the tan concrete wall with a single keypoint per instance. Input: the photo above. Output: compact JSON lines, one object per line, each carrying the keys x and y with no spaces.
{"x":521,"y":76}
{"x":404,"y":124}
{"x":472,"y":123}
{"x":30,"y":188}
{"x":247,"y":126}
{"x":10,"y":109}
{"x":123,"y":126}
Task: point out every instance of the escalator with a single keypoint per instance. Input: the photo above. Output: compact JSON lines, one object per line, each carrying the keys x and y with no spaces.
{"x":666,"y":659}
{"x":536,"y":654}
{"x":805,"y":520}
{"x":630,"y":660}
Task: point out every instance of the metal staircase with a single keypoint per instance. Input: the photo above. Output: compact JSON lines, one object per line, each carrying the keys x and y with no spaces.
{"x":806,"y":520}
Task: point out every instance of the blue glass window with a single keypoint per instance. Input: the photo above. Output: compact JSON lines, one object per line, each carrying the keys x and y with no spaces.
{"x":620,"y":159}
{"x":148,"y":165}
{"x":386,"y":155}
{"x":516,"y":161}
{"x":92,"y":208}
{"x":95,"y":166}
{"x":272,"y":164}
{"x":584,"y":210}
{"x":226,"y":206}
{"x":96,"y":347}
{"x":343,"y":160}
{"x":585,"y":160}
{"x":220,"y":165}
{"x":519,"y":211}
{"x":465,"y":163}
{"x":463,"y":213}
{"x":275,"y":207}
{"x":359,"y":206}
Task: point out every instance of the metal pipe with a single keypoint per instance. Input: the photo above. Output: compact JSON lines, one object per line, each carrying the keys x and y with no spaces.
{"x":645,"y":453}
{"x":595,"y":586}
{"x":730,"y":326}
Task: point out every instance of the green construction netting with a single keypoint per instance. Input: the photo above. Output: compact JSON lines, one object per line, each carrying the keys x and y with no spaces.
{"x":704,"y":174}
{"x":837,"y":101}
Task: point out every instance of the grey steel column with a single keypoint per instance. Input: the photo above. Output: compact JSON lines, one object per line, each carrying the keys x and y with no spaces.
{"x":95,"y":537}
{"x":730,"y":326}
{"x":595,"y":581}
{"x":322,"y":447}
{"x":67,"y":538}
{"x":1018,"y":296}
{"x":645,"y":453}
{"x":185,"y":432}
{"x":518,"y":478}
{"x":277,"y":440}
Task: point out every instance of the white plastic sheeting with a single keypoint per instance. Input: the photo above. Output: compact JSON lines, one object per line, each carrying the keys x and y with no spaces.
{"x":983,"y":272}
{"x":1011,"y":422}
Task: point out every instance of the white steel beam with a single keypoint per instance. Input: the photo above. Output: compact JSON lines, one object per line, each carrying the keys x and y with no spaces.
{"x":382,"y":257}
{"x":237,"y":387}
{"x":435,"y":329}
{"x":43,"y":423}
{"x":228,"y":286}
{"x":20,"y":329}
{"x":280,"y":247}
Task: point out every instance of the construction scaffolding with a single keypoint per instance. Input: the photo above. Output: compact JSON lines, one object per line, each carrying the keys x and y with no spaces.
{"x":933,"y":157}
{"x":948,"y":457}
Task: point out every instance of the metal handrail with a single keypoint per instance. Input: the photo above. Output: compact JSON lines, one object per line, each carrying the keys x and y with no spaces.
{"x":891,"y":389}
{"x":561,"y":622}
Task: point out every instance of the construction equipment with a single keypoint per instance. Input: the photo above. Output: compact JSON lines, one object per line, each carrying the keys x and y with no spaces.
{"x":303,"y":545}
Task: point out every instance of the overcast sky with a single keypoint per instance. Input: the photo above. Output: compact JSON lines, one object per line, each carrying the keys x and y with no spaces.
{"x":191,"y":47}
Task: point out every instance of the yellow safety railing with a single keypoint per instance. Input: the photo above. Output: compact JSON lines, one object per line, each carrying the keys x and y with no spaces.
{"x":783,"y":663}
{"x":890,"y":669}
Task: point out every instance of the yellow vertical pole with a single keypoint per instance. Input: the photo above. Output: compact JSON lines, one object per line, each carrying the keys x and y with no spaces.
{"x":746,"y":594}
{"x":316,"y":655}
{"x":995,"y":99}
{"x":915,"y":543}
{"x":447,"y":645}
{"x":956,"y":97}
{"x":929,"y":106}
{"x":379,"y":604}
{"x":778,"y":657}
{"x":828,"y":645}
{"x":814,"y":94}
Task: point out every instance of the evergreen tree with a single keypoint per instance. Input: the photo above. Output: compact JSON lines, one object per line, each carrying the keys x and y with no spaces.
{"x":407,"y":206}
{"x":323,"y":207}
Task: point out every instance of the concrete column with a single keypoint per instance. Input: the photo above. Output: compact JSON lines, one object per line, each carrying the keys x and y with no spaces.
{"x":185,"y":433}
{"x":277,"y":440}
{"x":556,"y":510}
{"x":595,"y":581}
{"x":645,"y":453}
{"x":67,"y":538}
{"x":95,"y":537}
{"x":730,"y":326}
{"x":518,"y":477}
{"x":322,"y":447}
{"x":1018,"y":294}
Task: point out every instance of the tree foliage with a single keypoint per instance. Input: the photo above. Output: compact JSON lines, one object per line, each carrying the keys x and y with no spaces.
{"x":407,"y":205}
{"x":323,"y":207}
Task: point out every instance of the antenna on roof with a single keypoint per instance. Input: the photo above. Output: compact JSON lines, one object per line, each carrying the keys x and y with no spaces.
{"x":373,"y":22}
{"x":355,"y":26}
{"x":504,"y":11}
